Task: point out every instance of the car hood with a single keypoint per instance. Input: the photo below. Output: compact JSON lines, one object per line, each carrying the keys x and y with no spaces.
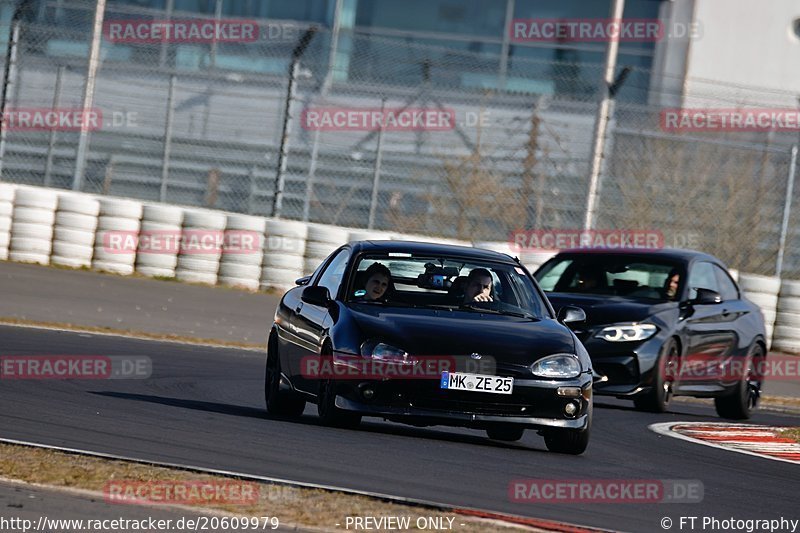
{"x":609,"y":309}
{"x":439,"y":332}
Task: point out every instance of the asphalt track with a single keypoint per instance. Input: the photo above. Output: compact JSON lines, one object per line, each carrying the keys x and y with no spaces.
{"x":203,"y":406}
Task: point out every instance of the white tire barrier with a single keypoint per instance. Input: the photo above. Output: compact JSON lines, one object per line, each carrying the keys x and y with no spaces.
{"x":767,"y":302}
{"x":73,"y":236}
{"x":6,"y":208}
{"x":285,"y":245}
{"x":189,"y":276}
{"x":240,"y":265}
{"x":159,"y":238}
{"x":34,"y":246}
{"x":7,"y":192}
{"x":5,"y":240}
{"x":154,"y":272}
{"x":27,"y":257}
{"x":75,"y":226}
{"x":162,"y":214}
{"x":117,"y":235}
{"x":310,"y":266}
{"x":294,"y":263}
{"x":32,"y":225}
{"x":112,"y":267}
{"x":790,"y":288}
{"x":784,"y":318}
{"x":761,"y":284}
{"x":5,"y":224}
{"x":38,"y":198}
{"x":789,"y":304}
{"x":199,"y":257}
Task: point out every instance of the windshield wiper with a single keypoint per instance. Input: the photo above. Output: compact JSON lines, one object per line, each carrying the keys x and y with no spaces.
{"x":499,"y":312}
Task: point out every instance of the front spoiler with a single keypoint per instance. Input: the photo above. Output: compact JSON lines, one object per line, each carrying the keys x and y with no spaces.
{"x":454,"y":418}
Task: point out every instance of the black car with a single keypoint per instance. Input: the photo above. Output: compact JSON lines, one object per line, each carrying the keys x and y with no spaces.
{"x":425,"y":352}
{"x":662,"y":323}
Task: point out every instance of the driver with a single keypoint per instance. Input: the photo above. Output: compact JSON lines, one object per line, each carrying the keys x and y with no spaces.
{"x":479,"y":286}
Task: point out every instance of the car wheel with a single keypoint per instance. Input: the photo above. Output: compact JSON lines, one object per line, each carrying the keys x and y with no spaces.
{"x":657,"y":399}
{"x":568,"y":441}
{"x":279,"y":402}
{"x":740,"y":403}
{"x":506,"y":433}
{"x":327,"y":410}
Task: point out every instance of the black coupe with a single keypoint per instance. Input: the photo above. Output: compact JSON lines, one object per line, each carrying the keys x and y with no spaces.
{"x":430,"y":334}
{"x":663,"y":323}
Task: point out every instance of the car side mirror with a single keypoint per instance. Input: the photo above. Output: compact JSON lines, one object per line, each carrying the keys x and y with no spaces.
{"x":302,"y":281}
{"x":316,"y":295}
{"x":706,"y":297}
{"x":571,"y":315}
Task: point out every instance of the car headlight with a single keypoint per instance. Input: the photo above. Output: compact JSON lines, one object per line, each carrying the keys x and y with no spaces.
{"x":561,"y":365}
{"x":384,"y":352}
{"x":627,"y":332}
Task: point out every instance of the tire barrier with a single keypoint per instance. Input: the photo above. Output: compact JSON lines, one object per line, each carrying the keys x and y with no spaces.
{"x":45,"y":226}
{"x":6,"y":211}
{"x":787,"y":321}
{"x":32,"y":224}
{"x":243,"y":252}
{"x":201,"y":248}
{"x":75,"y":230}
{"x":762,"y":291}
{"x":117,"y":235}
{"x":159,"y":238}
{"x":284,"y":253}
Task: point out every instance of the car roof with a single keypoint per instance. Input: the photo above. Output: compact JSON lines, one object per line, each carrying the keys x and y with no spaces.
{"x":674,"y":254}
{"x":425,"y":248}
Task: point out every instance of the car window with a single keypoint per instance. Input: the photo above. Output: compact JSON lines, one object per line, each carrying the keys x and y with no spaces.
{"x":727,"y":288}
{"x":551,"y":274}
{"x":333,"y":274}
{"x":702,"y":276}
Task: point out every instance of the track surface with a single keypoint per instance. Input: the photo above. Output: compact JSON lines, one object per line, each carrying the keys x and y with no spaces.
{"x":202,"y":406}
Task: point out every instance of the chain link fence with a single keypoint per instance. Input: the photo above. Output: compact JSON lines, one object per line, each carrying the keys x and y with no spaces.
{"x":194,"y":121}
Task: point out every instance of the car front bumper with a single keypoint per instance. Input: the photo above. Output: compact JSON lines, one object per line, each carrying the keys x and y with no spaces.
{"x":533,"y":404}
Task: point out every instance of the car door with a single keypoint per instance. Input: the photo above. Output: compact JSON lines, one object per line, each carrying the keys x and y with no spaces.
{"x":308,"y":320}
{"x":710,"y":331}
{"x":734,"y":311}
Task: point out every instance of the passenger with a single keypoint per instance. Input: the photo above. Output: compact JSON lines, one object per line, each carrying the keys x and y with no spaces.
{"x":378,"y":284}
{"x":479,"y":286}
{"x":586,"y":279}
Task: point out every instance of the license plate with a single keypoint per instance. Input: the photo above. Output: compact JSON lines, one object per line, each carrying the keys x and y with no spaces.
{"x":477,"y":383}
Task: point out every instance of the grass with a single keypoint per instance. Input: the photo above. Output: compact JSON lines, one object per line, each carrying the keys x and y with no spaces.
{"x":791,"y":433}
{"x":301,"y":507}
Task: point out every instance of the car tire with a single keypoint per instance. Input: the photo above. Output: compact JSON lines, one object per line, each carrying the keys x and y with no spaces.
{"x":277,"y":402}
{"x":657,"y":399}
{"x":740,"y":403}
{"x":507,"y":433}
{"x":329,"y":414}
{"x":568,"y":441}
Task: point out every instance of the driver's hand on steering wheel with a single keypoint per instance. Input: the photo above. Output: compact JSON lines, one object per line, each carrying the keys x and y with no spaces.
{"x":482,"y":298}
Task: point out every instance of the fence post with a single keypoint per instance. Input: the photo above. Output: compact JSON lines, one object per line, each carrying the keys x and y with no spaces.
{"x":291,"y":90}
{"x":9,"y":75}
{"x":88,"y":94}
{"x":167,"y":138}
{"x":312,"y":173}
{"x":601,"y":121}
{"x":787,"y":211}
{"x":51,"y":143}
{"x":376,"y":176}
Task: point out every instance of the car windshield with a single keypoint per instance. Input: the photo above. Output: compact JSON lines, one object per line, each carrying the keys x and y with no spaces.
{"x":443,"y":282}
{"x":630,"y":277}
